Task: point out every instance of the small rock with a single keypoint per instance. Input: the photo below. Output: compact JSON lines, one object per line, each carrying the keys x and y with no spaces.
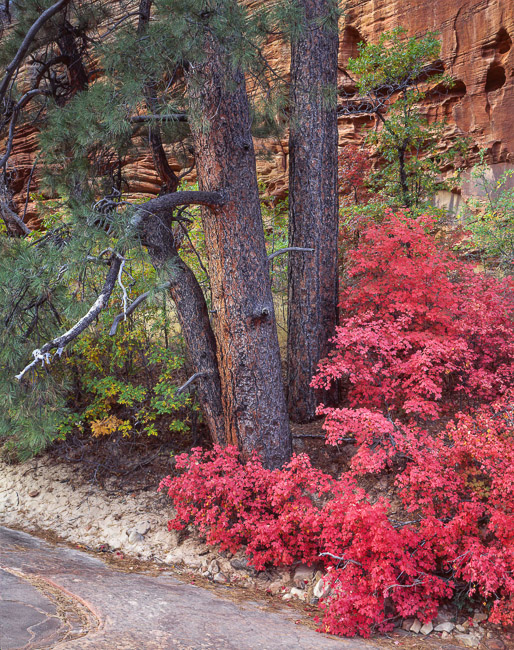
{"x":479,"y":617}
{"x":321,"y":590}
{"x":416,"y":627}
{"x":135,"y":537}
{"x":427,"y":628}
{"x":466,"y":625}
{"x":286,"y":597}
{"x":460,"y":628}
{"x":276,"y":587}
{"x":214,"y":568}
{"x":34,"y":493}
{"x":445,"y":627}
{"x":445,"y":635}
{"x":495,"y":644}
{"x":239,"y":564}
{"x":220,"y":578}
{"x":469,"y":640}
{"x":143,"y":527}
{"x":299,"y":593}
{"x":443,"y":615}
{"x":407,"y":624}
{"x":302,"y":575}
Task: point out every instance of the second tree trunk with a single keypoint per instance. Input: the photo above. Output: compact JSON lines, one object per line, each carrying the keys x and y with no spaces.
{"x":313,"y":202}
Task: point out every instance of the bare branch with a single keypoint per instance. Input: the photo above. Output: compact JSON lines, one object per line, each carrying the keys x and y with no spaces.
{"x":196,"y":376}
{"x":290,"y":248}
{"x":60,"y":342}
{"x":168,"y":202}
{"x":132,"y":307}
{"x":26,"y":43}
{"x":10,"y":215}
{"x":15,"y":114}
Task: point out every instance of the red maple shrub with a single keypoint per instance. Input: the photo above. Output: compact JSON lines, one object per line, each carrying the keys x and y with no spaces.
{"x":422,"y":335}
{"x":455,"y":530}
{"x":272,"y":513}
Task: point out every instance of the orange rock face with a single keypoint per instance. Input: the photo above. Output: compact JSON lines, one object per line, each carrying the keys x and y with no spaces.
{"x":476,"y":37}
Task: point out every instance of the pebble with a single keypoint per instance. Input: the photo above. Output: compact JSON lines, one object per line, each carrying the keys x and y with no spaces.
{"x":321,"y":590}
{"x":34,"y":493}
{"x":426,"y":628}
{"x":303,"y":575}
{"x":239,"y":563}
{"x":135,"y":537}
{"x":143,"y":527}
{"x":495,"y":644}
{"x":469,"y":640}
{"x":445,"y":627}
{"x":214,"y":568}
{"x":299,"y":593}
{"x":220,"y":578}
{"x":416,"y":626}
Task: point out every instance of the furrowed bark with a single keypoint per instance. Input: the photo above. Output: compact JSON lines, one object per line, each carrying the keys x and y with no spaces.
{"x":313,"y":204}
{"x":193,"y":316}
{"x":244,"y":319}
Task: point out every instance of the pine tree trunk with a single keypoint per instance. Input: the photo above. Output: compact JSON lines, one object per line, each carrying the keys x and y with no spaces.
{"x":313,"y":204}
{"x":192,"y":312}
{"x":244,"y":317}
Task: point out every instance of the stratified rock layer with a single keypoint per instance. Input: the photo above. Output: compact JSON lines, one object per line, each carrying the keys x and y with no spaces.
{"x":477,"y":51}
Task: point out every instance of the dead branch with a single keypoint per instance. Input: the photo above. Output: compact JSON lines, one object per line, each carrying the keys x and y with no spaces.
{"x":290,"y":248}
{"x":14,"y":118}
{"x":164,"y":205}
{"x":192,"y":379}
{"x":132,"y":307}
{"x":60,"y":342}
{"x":10,"y":215}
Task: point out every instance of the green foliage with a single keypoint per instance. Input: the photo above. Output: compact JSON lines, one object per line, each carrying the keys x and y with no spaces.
{"x":490,"y":217}
{"x":127,"y":383}
{"x":393,"y":75}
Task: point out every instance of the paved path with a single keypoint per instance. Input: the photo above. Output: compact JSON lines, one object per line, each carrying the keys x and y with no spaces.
{"x":56,"y":597}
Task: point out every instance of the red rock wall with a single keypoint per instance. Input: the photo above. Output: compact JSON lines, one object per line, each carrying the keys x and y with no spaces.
{"x":477,"y":51}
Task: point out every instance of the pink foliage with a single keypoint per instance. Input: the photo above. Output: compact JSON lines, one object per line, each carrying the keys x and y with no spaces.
{"x":422,"y":331}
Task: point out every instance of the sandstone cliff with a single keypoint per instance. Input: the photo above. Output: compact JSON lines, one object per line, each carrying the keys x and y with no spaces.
{"x":477,"y":51}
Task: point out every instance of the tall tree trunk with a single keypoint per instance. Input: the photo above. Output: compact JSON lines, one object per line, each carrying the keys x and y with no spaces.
{"x":193,"y":317}
{"x":186,"y":293}
{"x":244,"y":317}
{"x":313,"y":204}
